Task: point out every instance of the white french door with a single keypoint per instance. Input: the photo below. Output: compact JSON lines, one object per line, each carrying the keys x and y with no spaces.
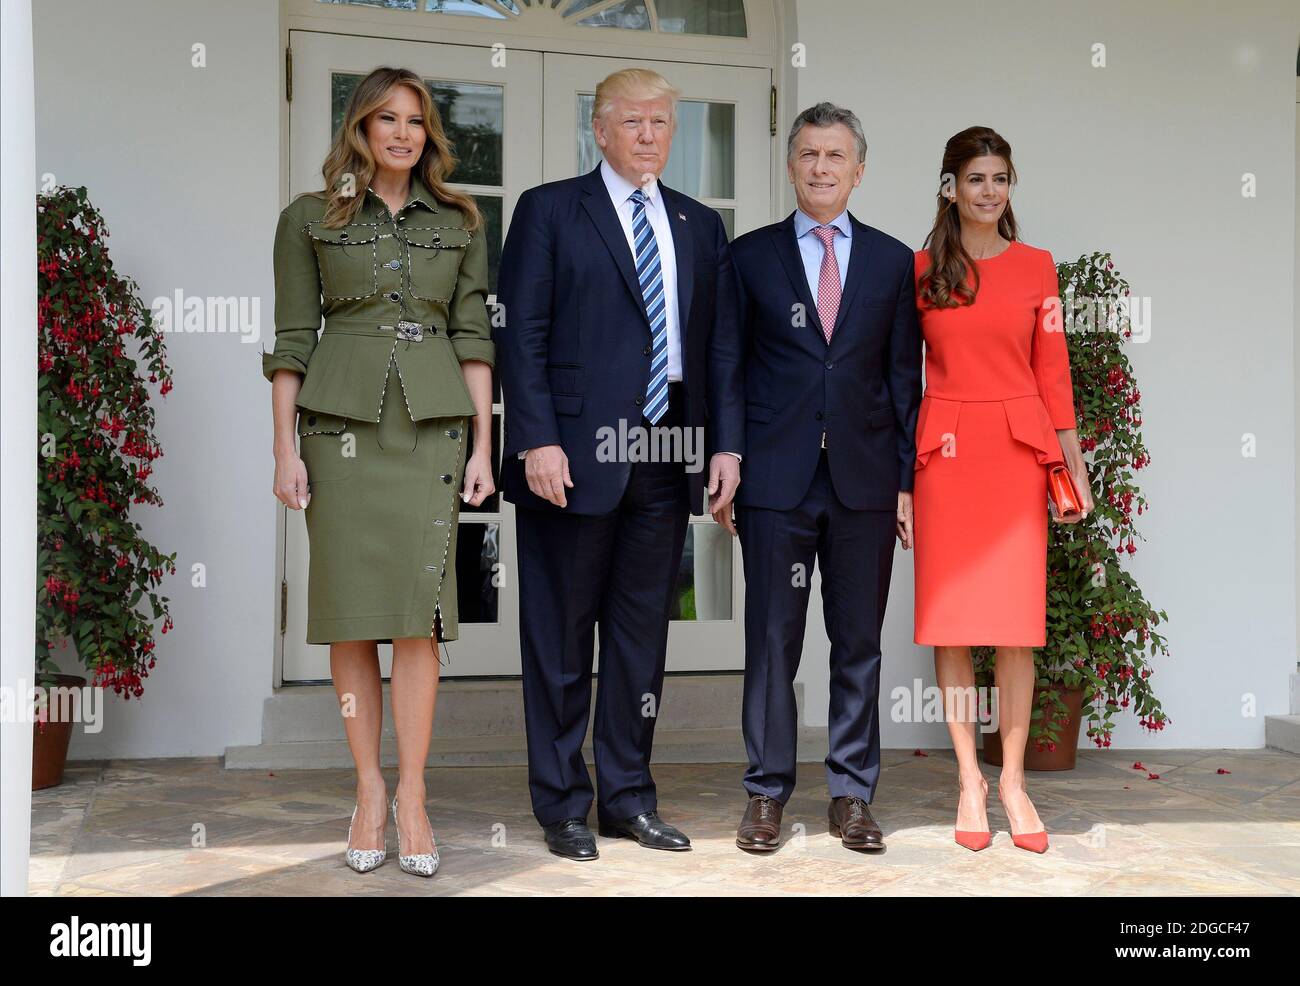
{"x":510,"y":137}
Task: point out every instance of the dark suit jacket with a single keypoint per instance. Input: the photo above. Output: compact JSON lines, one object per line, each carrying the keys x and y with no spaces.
{"x":863,"y":389}
{"x":574,"y":349}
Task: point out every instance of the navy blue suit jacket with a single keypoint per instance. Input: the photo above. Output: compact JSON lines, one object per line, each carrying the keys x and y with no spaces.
{"x":863,"y":389}
{"x":574,"y":350}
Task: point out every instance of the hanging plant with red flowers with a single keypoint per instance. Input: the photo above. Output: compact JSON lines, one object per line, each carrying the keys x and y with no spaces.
{"x":1101,"y":631}
{"x":99,"y":353}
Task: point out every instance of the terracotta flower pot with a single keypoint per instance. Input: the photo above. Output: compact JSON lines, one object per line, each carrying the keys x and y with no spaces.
{"x":1067,"y":745}
{"x":50,"y":742}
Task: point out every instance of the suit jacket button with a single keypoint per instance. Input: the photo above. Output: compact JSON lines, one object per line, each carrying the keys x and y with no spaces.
{"x":639,"y":401}
{"x":446,"y":477}
{"x":819,"y":415}
{"x":647,"y":351}
{"x":829,"y":364}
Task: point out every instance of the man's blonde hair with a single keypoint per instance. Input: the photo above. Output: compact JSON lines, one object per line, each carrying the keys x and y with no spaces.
{"x":637,"y":84}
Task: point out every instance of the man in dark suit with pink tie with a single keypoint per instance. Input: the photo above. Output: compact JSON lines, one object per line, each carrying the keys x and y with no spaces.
{"x":832,"y":390}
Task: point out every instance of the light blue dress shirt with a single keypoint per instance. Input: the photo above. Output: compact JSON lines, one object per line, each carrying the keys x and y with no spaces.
{"x":810,"y":247}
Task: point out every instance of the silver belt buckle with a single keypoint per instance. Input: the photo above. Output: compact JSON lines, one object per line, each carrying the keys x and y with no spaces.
{"x":410,"y":331}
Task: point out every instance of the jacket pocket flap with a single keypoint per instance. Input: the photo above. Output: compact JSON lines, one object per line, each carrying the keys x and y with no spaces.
{"x":1029,"y":423}
{"x":936,"y":426}
{"x":437,"y":238}
{"x":759,"y":412}
{"x":320,"y":423}
{"x":881,"y":417}
{"x":563,"y":380}
{"x":567,"y":403}
{"x":344,"y":235}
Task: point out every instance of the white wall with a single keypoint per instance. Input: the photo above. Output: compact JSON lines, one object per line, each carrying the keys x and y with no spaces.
{"x":17,"y":437}
{"x":1143,"y":158}
{"x":184,"y":164}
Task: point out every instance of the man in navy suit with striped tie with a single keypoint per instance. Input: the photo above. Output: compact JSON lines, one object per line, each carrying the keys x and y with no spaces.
{"x":620,"y":371}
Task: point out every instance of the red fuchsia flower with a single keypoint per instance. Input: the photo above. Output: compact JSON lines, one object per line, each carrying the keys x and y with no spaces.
{"x":1138,"y":765}
{"x":1222,"y":771}
{"x":1153,"y":777}
{"x":919,"y":753}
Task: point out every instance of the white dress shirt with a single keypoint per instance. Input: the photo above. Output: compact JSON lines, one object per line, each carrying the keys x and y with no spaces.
{"x":620,"y":194}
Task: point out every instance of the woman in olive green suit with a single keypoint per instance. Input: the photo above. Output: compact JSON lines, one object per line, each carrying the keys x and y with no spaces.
{"x":392,"y":410}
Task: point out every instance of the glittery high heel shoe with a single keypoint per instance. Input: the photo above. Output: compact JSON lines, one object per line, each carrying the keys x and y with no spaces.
{"x":421,"y":864}
{"x":362,"y":860}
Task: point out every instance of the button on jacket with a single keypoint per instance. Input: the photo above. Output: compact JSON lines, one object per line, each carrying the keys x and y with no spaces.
{"x":419,"y":266}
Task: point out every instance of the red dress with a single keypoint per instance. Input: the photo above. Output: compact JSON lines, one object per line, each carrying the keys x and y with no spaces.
{"x":997,"y":387}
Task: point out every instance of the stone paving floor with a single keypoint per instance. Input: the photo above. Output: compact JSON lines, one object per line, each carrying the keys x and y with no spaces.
{"x":189,"y":826}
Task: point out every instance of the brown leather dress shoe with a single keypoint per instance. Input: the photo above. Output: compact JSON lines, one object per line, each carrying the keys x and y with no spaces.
{"x":851,"y":820}
{"x":760,"y":828}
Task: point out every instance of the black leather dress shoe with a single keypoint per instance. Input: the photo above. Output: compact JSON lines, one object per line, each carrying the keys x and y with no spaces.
{"x":648,"y":829}
{"x":571,"y":839}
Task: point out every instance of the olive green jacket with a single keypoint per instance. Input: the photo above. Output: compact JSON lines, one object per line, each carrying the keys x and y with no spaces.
{"x":420,"y":266}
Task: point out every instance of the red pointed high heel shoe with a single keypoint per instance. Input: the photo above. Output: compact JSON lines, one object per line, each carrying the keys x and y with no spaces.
{"x":972,"y":840}
{"x":1029,"y":841}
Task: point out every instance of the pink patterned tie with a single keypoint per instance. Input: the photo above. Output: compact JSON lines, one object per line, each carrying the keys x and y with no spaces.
{"x":828,"y":282}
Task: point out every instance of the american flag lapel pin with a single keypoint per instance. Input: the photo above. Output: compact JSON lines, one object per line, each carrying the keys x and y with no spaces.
{"x":681,"y":216}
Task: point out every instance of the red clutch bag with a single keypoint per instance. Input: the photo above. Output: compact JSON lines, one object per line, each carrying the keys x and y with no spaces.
{"x":1062,"y":492}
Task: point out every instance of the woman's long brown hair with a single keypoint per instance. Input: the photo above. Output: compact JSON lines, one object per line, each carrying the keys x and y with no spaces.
{"x":349,"y":153}
{"x":943,"y":285}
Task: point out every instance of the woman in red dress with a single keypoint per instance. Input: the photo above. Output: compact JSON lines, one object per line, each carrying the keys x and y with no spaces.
{"x":997,"y":412}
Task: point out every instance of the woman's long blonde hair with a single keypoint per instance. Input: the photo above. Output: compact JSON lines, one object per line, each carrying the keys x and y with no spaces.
{"x":349,"y":153}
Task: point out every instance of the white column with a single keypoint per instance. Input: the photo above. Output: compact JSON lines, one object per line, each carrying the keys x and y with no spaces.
{"x":17,"y":432}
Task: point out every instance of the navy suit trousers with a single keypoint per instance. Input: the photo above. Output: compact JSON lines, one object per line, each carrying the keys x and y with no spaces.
{"x":855,"y":549}
{"x":618,"y":570}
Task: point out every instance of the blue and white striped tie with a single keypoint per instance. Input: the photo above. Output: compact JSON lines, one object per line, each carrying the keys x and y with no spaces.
{"x":650,"y":273}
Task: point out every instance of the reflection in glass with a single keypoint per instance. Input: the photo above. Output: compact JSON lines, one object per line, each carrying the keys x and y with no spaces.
{"x":390,"y":4}
{"x":478,"y":557}
{"x":472,"y":8}
{"x":728,"y":221}
{"x":630,"y":14}
{"x":490,"y":206}
{"x":703,"y":590}
{"x":718,"y":17}
{"x":472,"y":114}
{"x":702,"y":163}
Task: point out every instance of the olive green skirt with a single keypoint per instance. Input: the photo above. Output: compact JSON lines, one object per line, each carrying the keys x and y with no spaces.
{"x":381,"y":522}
